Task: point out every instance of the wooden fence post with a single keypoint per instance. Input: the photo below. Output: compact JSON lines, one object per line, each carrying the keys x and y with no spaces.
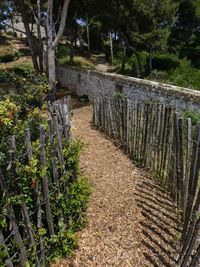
{"x":8,"y":261}
{"x":53,"y":153}
{"x":45,"y":180}
{"x":24,"y":207}
{"x":18,"y":239}
{"x":59,"y":144}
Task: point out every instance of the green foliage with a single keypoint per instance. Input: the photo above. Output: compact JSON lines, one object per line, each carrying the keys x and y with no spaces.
{"x":158,"y":75}
{"x":185,"y":76}
{"x":7,"y":57}
{"x":165,"y":61}
{"x":76,"y":205}
{"x":7,"y":54}
{"x":6,"y":76}
{"x":73,"y":208}
{"x":63,"y":51}
{"x":23,"y":70}
{"x":67,"y":208}
{"x":78,"y":62}
{"x":19,"y":110}
{"x":194,"y":115}
{"x":131,"y":63}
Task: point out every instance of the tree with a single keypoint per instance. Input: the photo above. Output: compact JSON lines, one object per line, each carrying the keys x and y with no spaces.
{"x":44,"y":15}
{"x":21,"y":6}
{"x":185,"y":33}
{"x":53,"y":39}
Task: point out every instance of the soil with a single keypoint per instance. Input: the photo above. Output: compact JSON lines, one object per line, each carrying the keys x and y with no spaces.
{"x":100,"y":61}
{"x":131,"y":220}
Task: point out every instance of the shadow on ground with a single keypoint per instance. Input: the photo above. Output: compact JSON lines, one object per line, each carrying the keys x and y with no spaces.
{"x":160,"y":230}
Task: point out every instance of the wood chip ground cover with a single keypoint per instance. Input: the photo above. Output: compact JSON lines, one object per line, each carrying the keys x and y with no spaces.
{"x":131,"y":220}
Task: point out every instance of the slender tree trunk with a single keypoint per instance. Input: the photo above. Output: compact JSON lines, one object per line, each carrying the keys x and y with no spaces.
{"x":12,"y":24}
{"x":30,"y":39}
{"x":88,"y":38}
{"x":140,"y":69}
{"x":52,"y":42}
{"x":52,"y":69}
{"x":51,"y":65}
{"x":40,"y":45}
{"x":150,"y":60}
{"x":123,"y":59}
{"x":111,"y":47}
{"x":71,"y":54}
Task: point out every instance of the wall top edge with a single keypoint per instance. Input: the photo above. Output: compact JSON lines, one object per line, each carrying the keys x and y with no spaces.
{"x":129,"y":80}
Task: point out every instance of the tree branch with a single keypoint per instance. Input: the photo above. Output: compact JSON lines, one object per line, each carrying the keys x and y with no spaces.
{"x":10,"y":26}
{"x":62,"y":23}
{"x":33,"y":11}
{"x":59,"y":13}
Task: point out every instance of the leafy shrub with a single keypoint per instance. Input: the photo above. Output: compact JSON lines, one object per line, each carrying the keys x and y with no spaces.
{"x":132,"y":63}
{"x":160,"y":76}
{"x":8,"y":115}
{"x":63,"y":51}
{"x":165,"y":61}
{"x":7,"y":54}
{"x":71,"y":206}
{"x":185,"y":75}
{"x":18,"y":111}
{"x":7,"y":58}
{"x":23,"y":69}
{"x":6,"y":76}
{"x":194,"y":115}
{"x":131,"y":66}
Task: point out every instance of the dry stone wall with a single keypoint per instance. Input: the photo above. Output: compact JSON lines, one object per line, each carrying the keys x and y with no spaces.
{"x":94,"y":83}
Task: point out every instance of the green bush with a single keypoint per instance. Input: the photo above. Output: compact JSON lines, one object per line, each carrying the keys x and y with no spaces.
{"x":132,"y":63}
{"x":63,"y":51}
{"x":7,"y":58}
{"x":7,"y":53}
{"x":185,"y":76}
{"x":194,"y":115}
{"x":20,"y":110}
{"x":6,"y":76}
{"x":165,"y":61}
{"x":23,"y":69}
{"x":160,"y":76}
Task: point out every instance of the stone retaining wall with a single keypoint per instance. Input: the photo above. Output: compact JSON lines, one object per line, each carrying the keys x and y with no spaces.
{"x":94,"y":83}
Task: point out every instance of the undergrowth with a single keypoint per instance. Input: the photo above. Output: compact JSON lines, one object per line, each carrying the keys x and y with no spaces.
{"x":23,"y":108}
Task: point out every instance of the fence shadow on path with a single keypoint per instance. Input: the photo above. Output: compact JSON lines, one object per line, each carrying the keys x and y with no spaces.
{"x":159,"y":224}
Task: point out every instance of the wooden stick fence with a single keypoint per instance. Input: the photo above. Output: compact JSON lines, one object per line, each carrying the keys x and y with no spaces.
{"x":156,"y":137}
{"x":21,"y":234}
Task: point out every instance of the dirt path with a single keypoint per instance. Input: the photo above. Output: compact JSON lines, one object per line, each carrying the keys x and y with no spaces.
{"x":100,"y":62}
{"x":131,"y":221}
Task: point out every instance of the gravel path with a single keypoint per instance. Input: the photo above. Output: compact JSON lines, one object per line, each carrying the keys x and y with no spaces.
{"x":131,"y":221}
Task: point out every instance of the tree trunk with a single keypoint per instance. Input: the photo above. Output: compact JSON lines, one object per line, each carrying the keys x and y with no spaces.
{"x":51,"y":70}
{"x":150,"y":61}
{"x":123,"y":60}
{"x":30,"y":39}
{"x":140,"y":70}
{"x":111,"y":47}
{"x":40,"y":43}
{"x":71,"y":54}
{"x":52,"y":42}
{"x":88,"y":38}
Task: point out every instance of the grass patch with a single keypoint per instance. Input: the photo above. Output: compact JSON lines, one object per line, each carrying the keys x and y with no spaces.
{"x":23,"y":69}
{"x":7,"y":54}
{"x":78,"y":62}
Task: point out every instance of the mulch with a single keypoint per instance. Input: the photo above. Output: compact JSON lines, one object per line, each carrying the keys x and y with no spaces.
{"x":131,"y":220}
